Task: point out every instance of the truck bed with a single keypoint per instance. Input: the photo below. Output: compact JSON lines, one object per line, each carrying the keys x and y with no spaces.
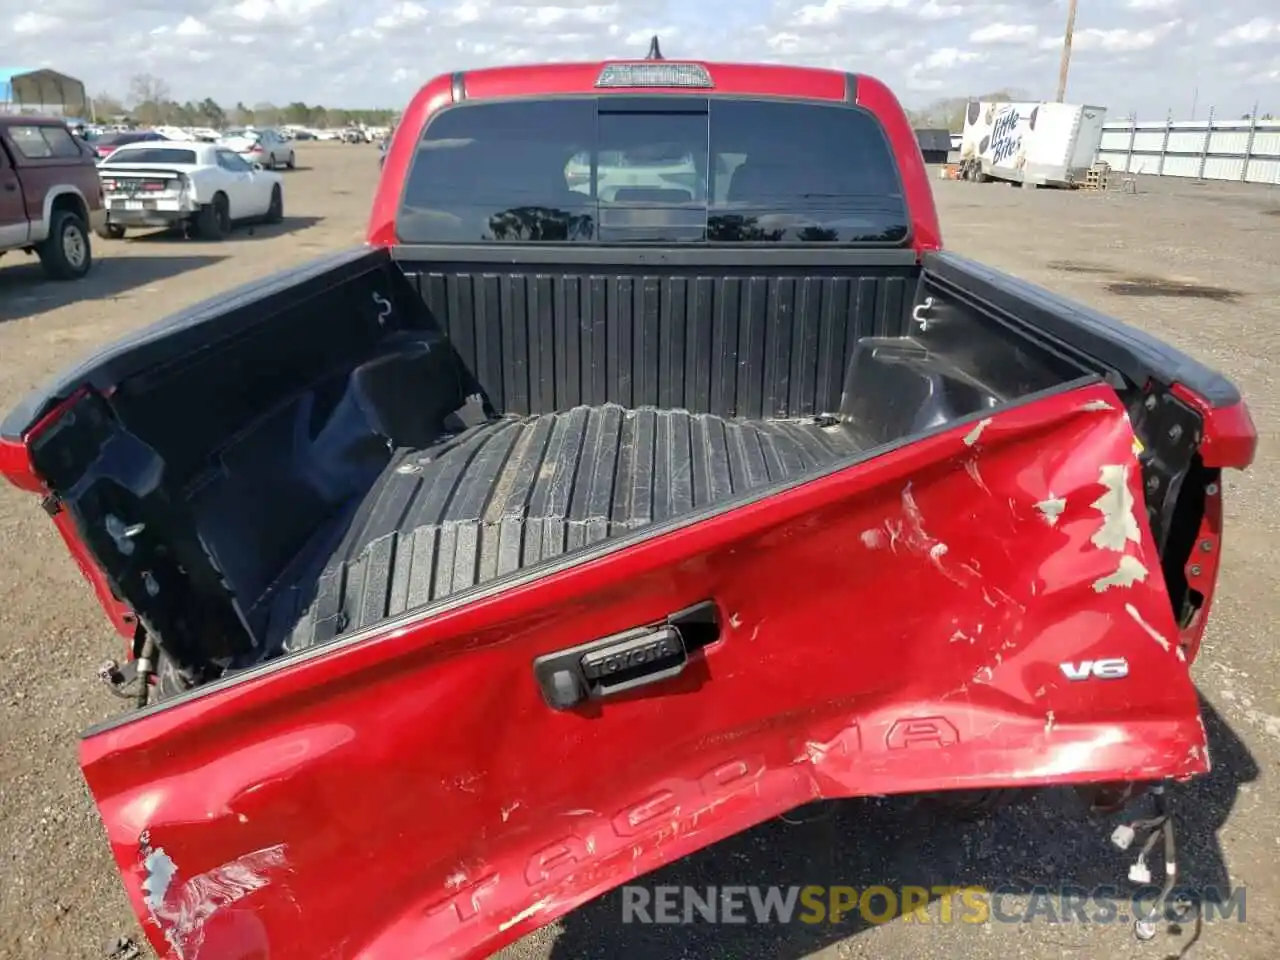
{"x":516,"y":491}
{"x":408,"y":425}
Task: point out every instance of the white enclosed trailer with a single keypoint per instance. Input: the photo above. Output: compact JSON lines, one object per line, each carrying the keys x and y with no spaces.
{"x":1032,"y":143}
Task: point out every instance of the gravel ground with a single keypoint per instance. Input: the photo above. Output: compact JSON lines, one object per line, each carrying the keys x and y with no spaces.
{"x":1196,"y":265}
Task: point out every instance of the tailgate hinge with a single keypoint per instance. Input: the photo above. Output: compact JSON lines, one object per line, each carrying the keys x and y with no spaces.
{"x":51,"y":504}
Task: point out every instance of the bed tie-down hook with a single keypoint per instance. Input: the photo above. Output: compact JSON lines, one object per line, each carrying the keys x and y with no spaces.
{"x":919,"y":313}
{"x":384,"y":308}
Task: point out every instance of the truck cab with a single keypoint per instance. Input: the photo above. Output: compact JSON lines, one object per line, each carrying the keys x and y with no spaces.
{"x":50,"y":195}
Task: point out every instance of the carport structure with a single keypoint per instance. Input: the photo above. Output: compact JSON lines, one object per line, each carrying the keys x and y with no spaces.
{"x":42,"y":91}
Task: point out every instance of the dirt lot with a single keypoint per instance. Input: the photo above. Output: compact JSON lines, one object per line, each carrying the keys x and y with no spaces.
{"x":1197,"y":265}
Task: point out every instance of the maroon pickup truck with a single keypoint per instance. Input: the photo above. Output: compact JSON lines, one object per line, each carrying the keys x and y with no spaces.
{"x":650,"y":472}
{"x":50,"y":195}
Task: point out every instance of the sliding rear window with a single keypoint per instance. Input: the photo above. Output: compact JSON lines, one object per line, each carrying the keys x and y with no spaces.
{"x":676,"y":169}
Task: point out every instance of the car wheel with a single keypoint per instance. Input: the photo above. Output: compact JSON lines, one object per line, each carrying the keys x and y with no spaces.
{"x":213,"y":222}
{"x":111,"y":231}
{"x":66,"y":253}
{"x":275,"y":212}
{"x":293,"y":161}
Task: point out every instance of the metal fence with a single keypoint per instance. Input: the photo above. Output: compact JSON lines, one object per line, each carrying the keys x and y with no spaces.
{"x":1245,"y":151}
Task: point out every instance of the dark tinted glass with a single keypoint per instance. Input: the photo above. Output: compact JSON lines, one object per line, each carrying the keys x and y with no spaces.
{"x":61,"y":143}
{"x":719,"y":171}
{"x":30,"y":142}
{"x":802,"y":173}
{"x":500,"y":172}
{"x":151,"y":155}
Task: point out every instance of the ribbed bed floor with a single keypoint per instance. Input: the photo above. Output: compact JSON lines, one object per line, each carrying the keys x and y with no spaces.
{"x":514,"y":492}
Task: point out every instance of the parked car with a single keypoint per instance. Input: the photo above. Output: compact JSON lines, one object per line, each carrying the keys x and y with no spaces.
{"x":546,"y":538}
{"x":50,"y":197}
{"x":108,"y":143}
{"x":203,"y":187}
{"x":263,"y":146}
{"x":354,"y":135}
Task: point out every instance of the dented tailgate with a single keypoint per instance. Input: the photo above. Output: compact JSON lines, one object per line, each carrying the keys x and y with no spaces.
{"x":981,"y":608}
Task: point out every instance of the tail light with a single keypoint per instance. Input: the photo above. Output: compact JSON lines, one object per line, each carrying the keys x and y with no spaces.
{"x":256,"y":148}
{"x":108,"y":184}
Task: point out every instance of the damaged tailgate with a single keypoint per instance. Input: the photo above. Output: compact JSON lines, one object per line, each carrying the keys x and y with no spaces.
{"x":981,"y":608}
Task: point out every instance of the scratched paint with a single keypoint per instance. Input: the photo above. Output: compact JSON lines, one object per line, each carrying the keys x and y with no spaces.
{"x":872,"y":539}
{"x":971,"y":468}
{"x":181,"y":913}
{"x":974,"y":435}
{"x":1051,"y":508}
{"x":531,"y":911}
{"x":1152,"y":632}
{"x":911,"y":532}
{"x":1129,"y":571}
{"x":1119,"y":522}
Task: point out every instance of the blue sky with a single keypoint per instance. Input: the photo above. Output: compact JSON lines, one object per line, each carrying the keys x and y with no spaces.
{"x":1147,"y":56}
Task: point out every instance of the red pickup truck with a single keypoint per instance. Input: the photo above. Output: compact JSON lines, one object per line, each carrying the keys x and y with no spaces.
{"x":50,"y":194}
{"x":574,"y":523}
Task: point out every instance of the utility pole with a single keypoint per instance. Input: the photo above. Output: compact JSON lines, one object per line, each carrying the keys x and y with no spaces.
{"x":1066,"y":50}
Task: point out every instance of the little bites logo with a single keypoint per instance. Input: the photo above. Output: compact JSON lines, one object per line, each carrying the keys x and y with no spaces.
{"x":1005,"y":139}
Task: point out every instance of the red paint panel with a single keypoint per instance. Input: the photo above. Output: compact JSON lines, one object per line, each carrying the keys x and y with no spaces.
{"x":898,"y":626}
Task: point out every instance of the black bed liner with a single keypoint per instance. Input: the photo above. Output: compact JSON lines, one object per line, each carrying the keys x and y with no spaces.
{"x":516,"y":491}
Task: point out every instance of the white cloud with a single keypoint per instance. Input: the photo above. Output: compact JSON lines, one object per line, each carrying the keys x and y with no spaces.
{"x":947,"y":57}
{"x":191,"y":27}
{"x":32,"y":24}
{"x":1119,"y":40}
{"x":1257,"y":30}
{"x":1018,"y":33}
{"x":939,"y":10}
{"x":1128,"y":54}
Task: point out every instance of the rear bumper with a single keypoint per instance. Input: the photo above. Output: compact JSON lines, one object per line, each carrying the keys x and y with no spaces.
{"x":148,"y":218}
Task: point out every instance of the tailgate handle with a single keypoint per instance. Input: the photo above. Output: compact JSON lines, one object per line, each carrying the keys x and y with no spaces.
{"x":624,"y":661}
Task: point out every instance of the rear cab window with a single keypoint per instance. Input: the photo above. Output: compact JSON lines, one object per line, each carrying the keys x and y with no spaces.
{"x":44,"y":142}
{"x":670,"y":169}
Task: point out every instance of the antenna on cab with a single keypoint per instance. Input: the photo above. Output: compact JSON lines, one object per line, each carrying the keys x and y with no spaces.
{"x":654,"y":52}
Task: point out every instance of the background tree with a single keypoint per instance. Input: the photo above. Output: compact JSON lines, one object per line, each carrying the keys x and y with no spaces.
{"x":266,"y":114}
{"x":212,"y":115}
{"x":948,"y":112}
{"x":148,"y":97}
{"x":107,"y":108}
{"x":150,"y":104}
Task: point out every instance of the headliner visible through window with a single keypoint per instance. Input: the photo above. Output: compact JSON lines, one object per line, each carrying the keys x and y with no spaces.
{"x":579,"y":169}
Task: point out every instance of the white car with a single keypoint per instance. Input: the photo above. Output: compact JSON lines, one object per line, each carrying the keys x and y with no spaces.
{"x":199,"y":187}
{"x":263,"y":146}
